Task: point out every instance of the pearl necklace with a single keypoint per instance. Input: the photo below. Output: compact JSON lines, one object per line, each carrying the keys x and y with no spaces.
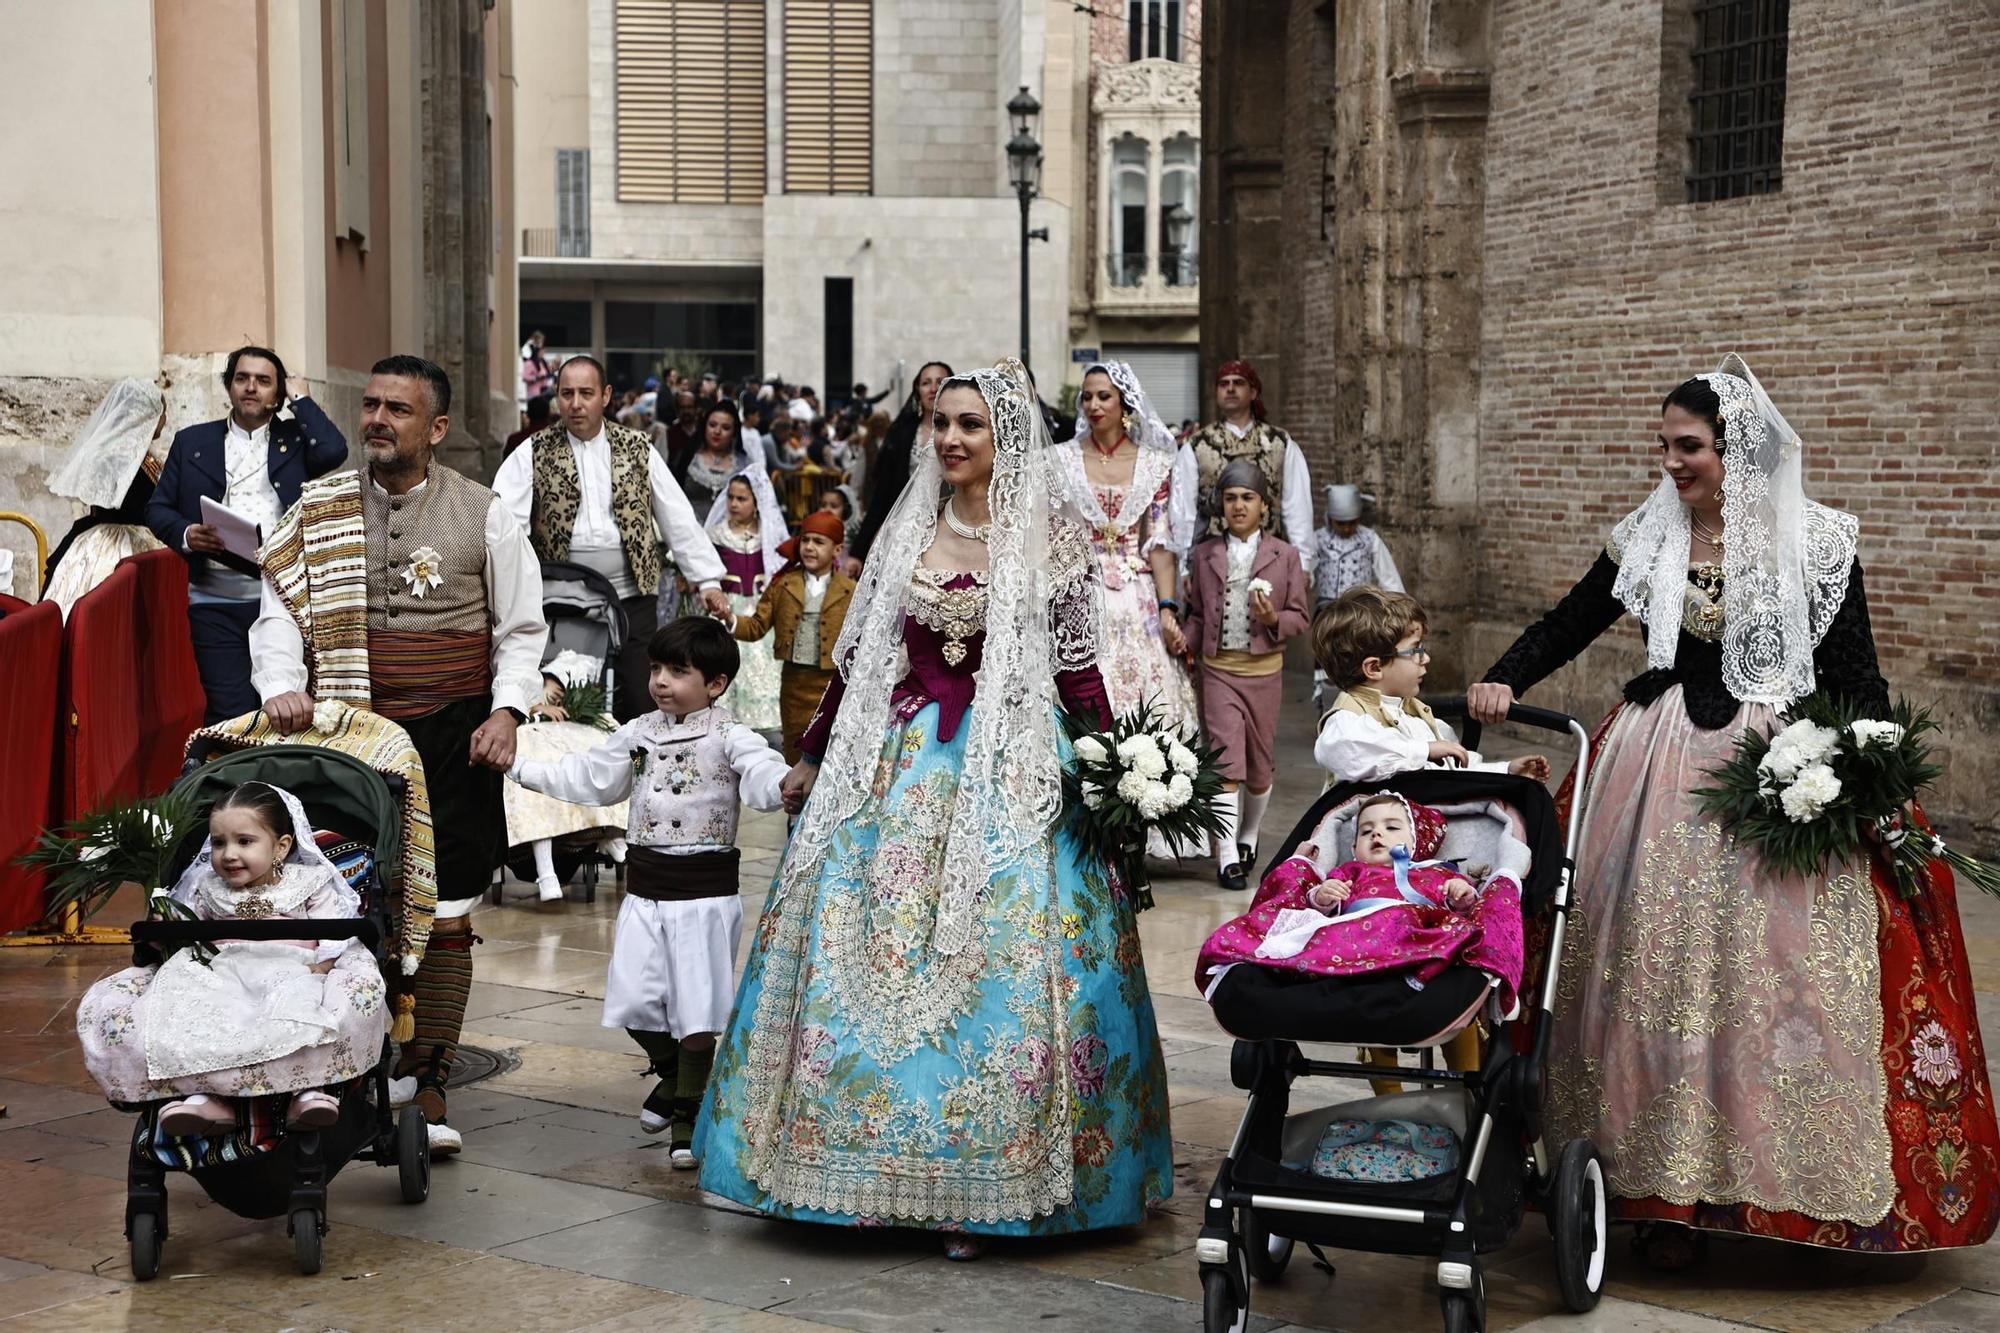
{"x":961,"y":527}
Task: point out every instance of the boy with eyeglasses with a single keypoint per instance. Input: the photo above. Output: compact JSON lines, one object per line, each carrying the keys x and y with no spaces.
{"x":1370,"y":643}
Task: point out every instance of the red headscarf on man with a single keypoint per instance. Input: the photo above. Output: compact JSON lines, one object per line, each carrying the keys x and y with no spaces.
{"x":1247,"y":371}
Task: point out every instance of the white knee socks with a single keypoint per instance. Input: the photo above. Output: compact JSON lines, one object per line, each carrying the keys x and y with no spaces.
{"x":1254,"y":805}
{"x":1227,"y":804}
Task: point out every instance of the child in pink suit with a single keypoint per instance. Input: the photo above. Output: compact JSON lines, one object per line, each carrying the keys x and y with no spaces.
{"x":1371,"y":915}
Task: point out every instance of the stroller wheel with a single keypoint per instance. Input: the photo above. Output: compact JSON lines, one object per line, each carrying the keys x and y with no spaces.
{"x":1219,"y":1311}
{"x":1577,"y":1221}
{"x":1465,"y":1310}
{"x":413,"y":1155}
{"x":1265,"y":1253}
{"x":305,"y":1240}
{"x":145,"y":1231}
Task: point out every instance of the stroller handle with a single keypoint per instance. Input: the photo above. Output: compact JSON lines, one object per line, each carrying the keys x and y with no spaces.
{"x":1526,"y":715}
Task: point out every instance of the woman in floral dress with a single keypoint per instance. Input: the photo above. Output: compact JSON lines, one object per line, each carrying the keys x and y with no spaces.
{"x":944,"y":1022}
{"x":1752,"y":1052}
{"x":1118,"y":474}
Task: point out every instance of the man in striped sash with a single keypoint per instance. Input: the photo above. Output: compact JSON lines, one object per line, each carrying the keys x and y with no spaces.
{"x":411,"y":590}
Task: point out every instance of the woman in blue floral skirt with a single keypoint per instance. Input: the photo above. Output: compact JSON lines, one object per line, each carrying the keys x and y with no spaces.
{"x":945,"y":1021}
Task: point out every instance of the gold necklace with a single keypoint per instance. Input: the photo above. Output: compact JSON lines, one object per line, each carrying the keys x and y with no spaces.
{"x":1713,"y":539}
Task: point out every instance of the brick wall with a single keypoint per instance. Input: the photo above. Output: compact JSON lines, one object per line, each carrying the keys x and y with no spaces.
{"x":1866,"y":295}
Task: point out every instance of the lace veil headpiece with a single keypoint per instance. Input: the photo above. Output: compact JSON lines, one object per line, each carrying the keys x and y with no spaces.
{"x":108,"y":450}
{"x":1157,"y":451}
{"x":1041,"y":618}
{"x":770,"y":514}
{"x":1785,"y":561}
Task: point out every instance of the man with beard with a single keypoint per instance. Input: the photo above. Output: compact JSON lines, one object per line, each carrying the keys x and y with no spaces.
{"x":253,"y":461}
{"x":411,"y":590}
{"x":1243,"y":433}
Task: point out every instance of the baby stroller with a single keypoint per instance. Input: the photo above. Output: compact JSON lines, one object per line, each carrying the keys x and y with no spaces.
{"x":585,"y":616}
{"x":1265,"y":1199}
{"x":263,"y":1169}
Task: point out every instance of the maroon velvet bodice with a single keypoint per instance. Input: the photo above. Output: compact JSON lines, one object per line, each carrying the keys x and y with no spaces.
{"x":934,"y":677}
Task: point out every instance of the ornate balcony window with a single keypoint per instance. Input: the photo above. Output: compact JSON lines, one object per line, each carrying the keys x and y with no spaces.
{"x":1149,"y":174}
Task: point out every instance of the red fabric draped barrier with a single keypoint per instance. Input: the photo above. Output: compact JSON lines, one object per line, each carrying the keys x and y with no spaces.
{"x":100,"y":706}
{"x":31,"y":640}
{"x":171,"y":702}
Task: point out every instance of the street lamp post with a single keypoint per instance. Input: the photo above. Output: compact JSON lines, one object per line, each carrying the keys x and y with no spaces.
{"x":1024,"y":171}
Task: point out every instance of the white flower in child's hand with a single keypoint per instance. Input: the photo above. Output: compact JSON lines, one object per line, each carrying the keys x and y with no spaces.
{"x":1142,"y":755}
{"x":1261,"y":585}
{"x":1181,"y":758}
{"x":1811,"y":792}
{"x":1091,"y":750}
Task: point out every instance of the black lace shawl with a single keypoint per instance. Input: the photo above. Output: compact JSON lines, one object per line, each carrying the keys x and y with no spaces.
{"x":1843,"y":662}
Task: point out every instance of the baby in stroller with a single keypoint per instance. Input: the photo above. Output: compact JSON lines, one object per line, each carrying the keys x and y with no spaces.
{"x":1389,"y":908}
{"x":255,"y":1017}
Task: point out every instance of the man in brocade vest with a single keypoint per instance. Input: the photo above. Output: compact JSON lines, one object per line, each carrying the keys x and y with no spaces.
{"x":411,"y":591}
{"x":598,"y":494}
{"x":1244,"y":433}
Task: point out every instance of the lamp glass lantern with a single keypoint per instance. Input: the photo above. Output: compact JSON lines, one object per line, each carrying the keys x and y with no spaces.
{"x":1024,"y":154}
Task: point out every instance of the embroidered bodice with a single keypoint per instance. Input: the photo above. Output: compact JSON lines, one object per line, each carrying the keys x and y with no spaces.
{"x":944,"y":640}
{"x":742,"y":553}
{"x":1843,"y":662}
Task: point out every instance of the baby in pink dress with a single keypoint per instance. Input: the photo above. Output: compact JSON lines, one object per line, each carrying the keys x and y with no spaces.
{"x":1354,"y":888}
{"x":1370,"y":914}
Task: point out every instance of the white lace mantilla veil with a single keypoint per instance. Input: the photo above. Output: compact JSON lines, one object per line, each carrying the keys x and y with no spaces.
{"x":1785,"y":559}
{"x":1041,"y":618}
{"x":770,"y":514}
{"x":295,"y":888}
{"x":1157,"y":451}
{"x":110,"y":446}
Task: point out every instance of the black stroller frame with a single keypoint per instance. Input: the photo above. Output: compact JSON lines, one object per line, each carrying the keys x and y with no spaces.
{"x":1258,"y":1209}
{"x":368,"y":1129}
{"x":585,"y":615}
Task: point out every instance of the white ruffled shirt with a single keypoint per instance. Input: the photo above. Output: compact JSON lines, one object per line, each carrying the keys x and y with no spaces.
{"x":1353,"y":747}
{"x":595,"y":529}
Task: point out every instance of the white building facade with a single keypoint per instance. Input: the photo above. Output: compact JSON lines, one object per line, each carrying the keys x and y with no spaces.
{"x":816,"y":189}
{"x":1135,"y":279}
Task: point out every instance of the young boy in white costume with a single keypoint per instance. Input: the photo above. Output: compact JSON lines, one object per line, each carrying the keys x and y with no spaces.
{"x":684,"y":769}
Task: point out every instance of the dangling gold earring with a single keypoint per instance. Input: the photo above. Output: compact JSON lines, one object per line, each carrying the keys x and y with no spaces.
{"x":1126,"y":420}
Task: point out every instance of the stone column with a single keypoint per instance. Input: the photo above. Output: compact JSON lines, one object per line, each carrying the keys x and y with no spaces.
{"x":458,"y":220}
{"x":1242,"y":170}
{"x":1437,"y":230}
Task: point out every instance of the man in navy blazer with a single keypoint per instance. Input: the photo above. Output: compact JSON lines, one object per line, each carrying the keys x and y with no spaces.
{"x":254,"y":462}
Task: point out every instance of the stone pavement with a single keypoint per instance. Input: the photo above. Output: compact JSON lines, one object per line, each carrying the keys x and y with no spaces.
{"x":561,"y":1215}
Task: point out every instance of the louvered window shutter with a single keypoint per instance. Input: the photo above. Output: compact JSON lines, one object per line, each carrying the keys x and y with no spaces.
{"x":690,"y":77}
{"x":829,"y":83}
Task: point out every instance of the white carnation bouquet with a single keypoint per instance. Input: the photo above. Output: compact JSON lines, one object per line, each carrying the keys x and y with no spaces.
{"x":1132,"y":778}
{"x":582,"y":678}
{"x":1831,"y":783}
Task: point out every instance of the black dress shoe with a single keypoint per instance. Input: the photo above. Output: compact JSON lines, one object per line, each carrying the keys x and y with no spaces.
{"x":1246,"y":853}
{"x":1233,"y":876}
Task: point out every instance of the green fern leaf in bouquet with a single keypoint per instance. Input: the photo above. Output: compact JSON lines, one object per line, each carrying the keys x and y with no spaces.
{"x":127,"y":842}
